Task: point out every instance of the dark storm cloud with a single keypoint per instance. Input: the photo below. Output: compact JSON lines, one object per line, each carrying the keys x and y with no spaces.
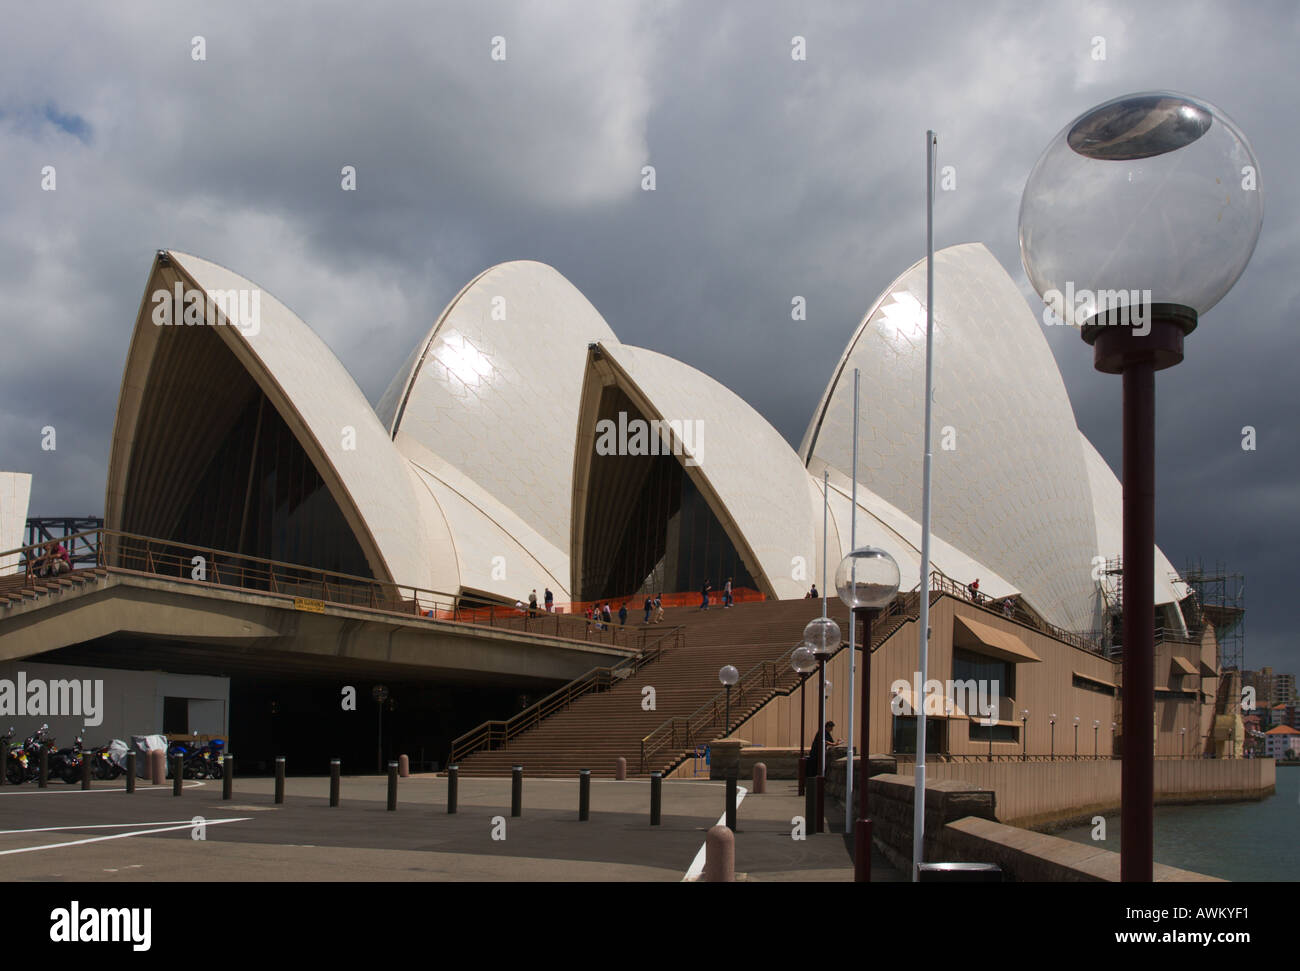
{"x":775,"y":178}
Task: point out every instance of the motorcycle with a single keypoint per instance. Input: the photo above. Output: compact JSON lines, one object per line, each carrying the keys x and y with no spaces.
{"x":102,"y":765}
{"x":66,"y":762}
{"x":25,"y":758}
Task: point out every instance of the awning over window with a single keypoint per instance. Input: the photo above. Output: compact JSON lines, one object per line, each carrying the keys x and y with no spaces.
{"x":1182,"y":666}
{"x":1207,"y":671}
{"x":1000,"y":644}
{"x":1094,"y":679}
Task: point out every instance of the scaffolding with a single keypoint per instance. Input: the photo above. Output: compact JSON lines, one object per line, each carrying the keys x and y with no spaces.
{"x":1219,"y":597}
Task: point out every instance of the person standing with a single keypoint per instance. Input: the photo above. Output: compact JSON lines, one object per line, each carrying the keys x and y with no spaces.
{"x":704,"y":595}
{"x":727,"y":601}
{"x":659,"y":609}
{"x":532,"y":604}
{"x":550,"y":601}
{"x":815,"y":753}
{"x":606,"y":614}
{"x":649,"y":606}
{"x":622,"y":615}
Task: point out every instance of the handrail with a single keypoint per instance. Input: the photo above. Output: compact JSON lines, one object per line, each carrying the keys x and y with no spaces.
{"x":494,"y":732}
{"x":126,"y":552}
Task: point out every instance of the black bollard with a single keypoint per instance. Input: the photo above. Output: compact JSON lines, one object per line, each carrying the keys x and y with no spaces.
{"x":85,"y":770}
{"x":279,"y":779}
{"x":584,"y":795}
{"x":227,"y":776}
{"x":732,"y":774}
{"x":820,"y":782}
{"x":453,"y":787}
{"x":178,"y":774}
{"x":335,"y":768}
{"x":656,"y":797}
{"x":392,"y":786}
{"x":516,"y":790}
{"x":43,"y":778}
{"x":130,"y":772}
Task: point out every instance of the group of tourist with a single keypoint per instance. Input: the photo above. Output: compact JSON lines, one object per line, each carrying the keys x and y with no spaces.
{"x":707,"y":588}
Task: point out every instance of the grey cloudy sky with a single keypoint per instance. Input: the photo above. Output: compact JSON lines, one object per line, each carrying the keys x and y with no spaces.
{"x":775,"y":178}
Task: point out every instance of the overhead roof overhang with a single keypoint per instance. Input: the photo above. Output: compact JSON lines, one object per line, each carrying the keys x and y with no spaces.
{"x":998,"y":643}
{"x":1180,"y":665}
{"x":1094,"y":679}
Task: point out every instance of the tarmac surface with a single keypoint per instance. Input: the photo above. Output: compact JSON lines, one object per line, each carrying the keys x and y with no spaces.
{"x":105,"y":834}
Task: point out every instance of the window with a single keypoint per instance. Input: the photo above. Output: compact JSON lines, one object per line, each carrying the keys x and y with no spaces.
{"x":1088,"y":685}
{"x":1000,"y":733}
{"x":968,"y":665}
{"x":905,"y":735}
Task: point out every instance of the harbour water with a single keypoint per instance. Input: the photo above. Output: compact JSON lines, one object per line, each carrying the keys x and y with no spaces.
{"x":1235,"y":841}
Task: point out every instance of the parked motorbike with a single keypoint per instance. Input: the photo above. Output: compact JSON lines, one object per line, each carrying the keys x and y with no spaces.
{"x":66,"y":762}
{"x":102,"y":765}
{"x":25,"y":759}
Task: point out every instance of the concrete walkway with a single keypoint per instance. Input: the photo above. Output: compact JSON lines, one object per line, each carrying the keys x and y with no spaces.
{"x":63,"y":833}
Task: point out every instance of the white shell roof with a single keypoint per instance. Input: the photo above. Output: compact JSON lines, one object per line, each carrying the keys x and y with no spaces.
{"x":496,"y":552}
{"x":1013,"y":494}
{"x":316,"y":395}
{"x":15,"y":494}
{"x":742,"y":459}
{"x":1108,"y":511}
{"x":498,"y":398}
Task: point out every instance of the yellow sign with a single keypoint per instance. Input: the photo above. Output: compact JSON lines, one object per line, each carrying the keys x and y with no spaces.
{"x":315,"y":606}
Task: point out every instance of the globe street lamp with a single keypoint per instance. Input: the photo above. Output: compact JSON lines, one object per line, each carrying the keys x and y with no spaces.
{"x":823,"y":635}
{"x":1053,"y":720}
{"x":1024,"y":734}
{"x":1096,"y":726}
{"x":805,"y":662}
{"x":1076,"y":737}
{"x":1182,"y":744}
{"x":1136,"y":220}
{"x":867,"y":582}
{"x":728,"y":675}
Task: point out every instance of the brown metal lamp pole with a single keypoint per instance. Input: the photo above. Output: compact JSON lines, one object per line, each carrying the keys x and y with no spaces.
{"x":1120,"y":350}
{"x":862,"y":827}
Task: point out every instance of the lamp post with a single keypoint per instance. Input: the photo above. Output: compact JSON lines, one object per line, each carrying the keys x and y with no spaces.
{"x":1113,"y":726}
{"x":1151,"y":201}
{"x":867,"y":582}
{"x":1024,"y":734}
{"x":1053,"y":736}
{"x":1182,"y":743}
{"x":380,"y":694}
{"x":805,"y":662}
{"x":1076,"y":737}
{"x":823,"y":635}
{"x":1096,"y":725}
{"x":728,"y":675}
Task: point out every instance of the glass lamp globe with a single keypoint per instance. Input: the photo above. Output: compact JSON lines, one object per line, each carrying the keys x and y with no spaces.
{"x":728,"y":674}
{"x":803,"y":660}
{"x":1156,"y":191}
{"x":823,"y":636}
{"x":867,"y":577}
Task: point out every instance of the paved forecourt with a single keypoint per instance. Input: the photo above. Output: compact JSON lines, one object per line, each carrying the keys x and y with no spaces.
{"x":104,"y":834}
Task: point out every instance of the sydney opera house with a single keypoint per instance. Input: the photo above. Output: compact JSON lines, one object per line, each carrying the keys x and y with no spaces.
{"x":522,"y":447}
{"x":479,"y":475}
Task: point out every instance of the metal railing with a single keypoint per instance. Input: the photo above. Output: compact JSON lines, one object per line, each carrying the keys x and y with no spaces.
{"x":122,"y":552}
{"x":495,"y":733}
{"x":1084,"y":640}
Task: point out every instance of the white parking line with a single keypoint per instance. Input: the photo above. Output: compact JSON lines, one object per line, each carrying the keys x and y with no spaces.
{"x":55,"y":829}
{"x":697,"y":865}
{"x":118,"y":836}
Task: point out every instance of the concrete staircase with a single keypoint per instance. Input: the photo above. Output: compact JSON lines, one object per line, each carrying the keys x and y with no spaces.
{"x":599,"y":727}
{"x":19,"y":588}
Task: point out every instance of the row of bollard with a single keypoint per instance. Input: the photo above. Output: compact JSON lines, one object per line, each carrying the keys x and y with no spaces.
{"x":719,"y":844}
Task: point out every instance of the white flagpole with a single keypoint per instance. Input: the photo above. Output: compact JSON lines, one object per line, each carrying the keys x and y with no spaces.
{"x":918,"y":813}
{"x":853,"y":654}
{"x":826,"y":505}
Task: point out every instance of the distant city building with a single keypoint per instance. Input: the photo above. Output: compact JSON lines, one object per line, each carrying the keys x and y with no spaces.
{"x":1284,"y":689}
{"x":1282,"y":742}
